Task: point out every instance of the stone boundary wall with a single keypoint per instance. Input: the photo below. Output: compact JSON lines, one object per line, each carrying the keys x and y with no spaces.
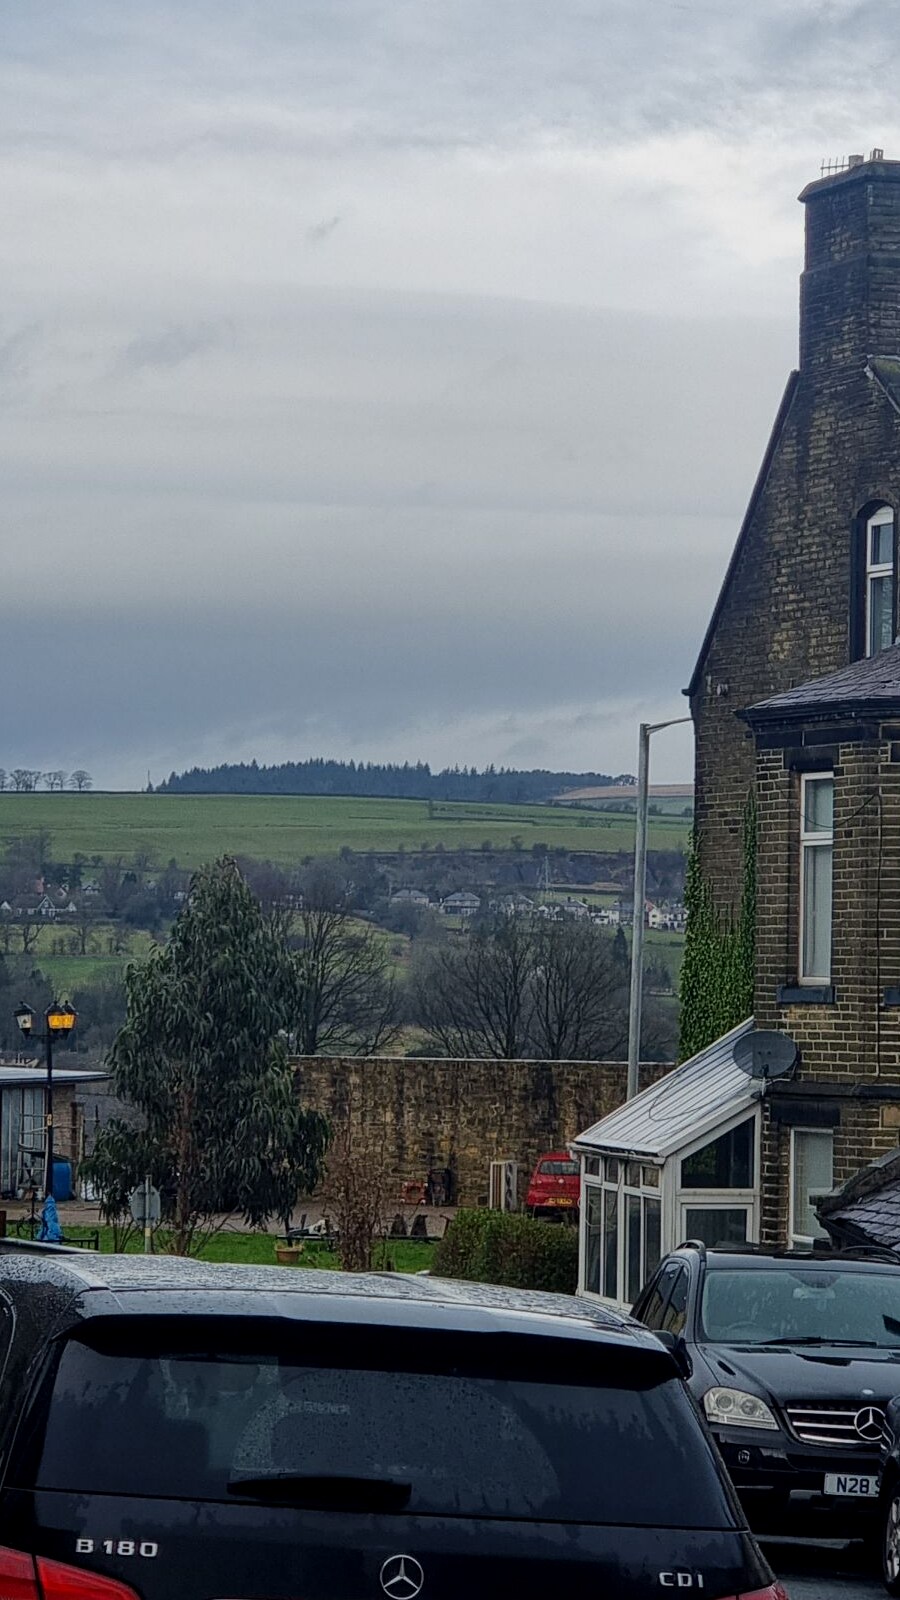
{"x":437,"y":1114}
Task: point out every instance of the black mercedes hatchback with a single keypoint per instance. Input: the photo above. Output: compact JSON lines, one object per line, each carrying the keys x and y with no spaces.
{"x":176,"y":1431}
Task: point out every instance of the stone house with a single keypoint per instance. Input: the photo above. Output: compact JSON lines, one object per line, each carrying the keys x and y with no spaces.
{"x":796,"y":701}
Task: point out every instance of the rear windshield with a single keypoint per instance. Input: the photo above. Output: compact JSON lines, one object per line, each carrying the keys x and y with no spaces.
{"x":455,"y":1424}
{"x":558,"y":1169}
{"x":802,"y":1304}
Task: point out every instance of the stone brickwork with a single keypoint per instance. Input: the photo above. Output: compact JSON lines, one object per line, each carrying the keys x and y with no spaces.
{"x":850,"y":1046}
{"x":791,"y":611}
{"x":437,"y":1114}
{"x":787,"y":612}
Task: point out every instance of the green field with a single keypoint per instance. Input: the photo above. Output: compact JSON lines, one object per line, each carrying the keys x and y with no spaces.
{"x":194,"y":829}
{"x":69,"y":973}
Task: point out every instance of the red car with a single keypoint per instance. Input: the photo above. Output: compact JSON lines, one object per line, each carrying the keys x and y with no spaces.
{"x":555,"y":1185}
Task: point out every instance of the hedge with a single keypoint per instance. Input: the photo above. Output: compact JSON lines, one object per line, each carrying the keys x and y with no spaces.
{"x":500,"y":1247}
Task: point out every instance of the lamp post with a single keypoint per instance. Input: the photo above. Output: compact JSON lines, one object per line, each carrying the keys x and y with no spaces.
{"x":636,"y":994}
{"x":59,"y":1020}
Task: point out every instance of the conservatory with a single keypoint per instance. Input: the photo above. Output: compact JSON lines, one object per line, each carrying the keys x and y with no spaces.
{"x":679,"y":1161}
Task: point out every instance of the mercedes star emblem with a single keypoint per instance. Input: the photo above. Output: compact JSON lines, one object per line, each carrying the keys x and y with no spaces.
{"x":402,"y":1577}
{"x":870,"y":1424}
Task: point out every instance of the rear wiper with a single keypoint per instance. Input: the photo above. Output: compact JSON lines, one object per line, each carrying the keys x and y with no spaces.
{"x":819,"y":1339}
{"x":318,"y":1490}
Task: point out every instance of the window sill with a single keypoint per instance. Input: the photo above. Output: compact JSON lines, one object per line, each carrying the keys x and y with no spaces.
{"x":802,"y":994}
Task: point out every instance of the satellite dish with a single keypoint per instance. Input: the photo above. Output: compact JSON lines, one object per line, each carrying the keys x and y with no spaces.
{"x":766,"y":1054}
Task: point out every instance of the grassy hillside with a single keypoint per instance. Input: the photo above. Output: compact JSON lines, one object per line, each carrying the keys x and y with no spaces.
{"x":196,"y":828}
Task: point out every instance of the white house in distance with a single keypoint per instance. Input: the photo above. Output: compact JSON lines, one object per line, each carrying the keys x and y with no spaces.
{"x":410,"y":897}
{"x":461,"y":904}
{"x":679,"y":1161}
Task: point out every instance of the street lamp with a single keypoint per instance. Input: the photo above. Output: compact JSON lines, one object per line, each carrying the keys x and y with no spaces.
{"x":635,"y":999}
{"x":59,"y":1020}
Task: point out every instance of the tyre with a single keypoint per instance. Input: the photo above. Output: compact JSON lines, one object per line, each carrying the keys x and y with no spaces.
{"x":890,"y":1539}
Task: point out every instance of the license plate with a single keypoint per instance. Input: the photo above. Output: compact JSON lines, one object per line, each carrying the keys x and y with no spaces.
{"x":560,"y":1200}
{"x":849,"y":1483}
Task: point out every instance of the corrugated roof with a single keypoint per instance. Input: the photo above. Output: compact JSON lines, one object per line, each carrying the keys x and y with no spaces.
{"x":11,"y":1076}
{"x":685,"y":1104}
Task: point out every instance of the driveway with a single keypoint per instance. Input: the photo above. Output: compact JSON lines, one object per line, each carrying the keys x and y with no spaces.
{"x":825,"y":1572}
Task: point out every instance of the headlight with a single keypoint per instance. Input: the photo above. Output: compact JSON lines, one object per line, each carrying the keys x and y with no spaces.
{"x":732,"y":1408}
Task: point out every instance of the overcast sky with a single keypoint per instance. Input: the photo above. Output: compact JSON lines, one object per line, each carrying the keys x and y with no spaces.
{"x":387,"y":378}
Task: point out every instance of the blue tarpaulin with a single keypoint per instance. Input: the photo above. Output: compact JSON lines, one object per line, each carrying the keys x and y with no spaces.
{"x":50,"y":1231}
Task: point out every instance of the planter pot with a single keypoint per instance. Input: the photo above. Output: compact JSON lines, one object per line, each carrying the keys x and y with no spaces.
{"x":287,"y":1255}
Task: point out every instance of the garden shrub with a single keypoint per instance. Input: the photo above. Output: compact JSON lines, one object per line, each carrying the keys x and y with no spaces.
{"x":500,"y":1247}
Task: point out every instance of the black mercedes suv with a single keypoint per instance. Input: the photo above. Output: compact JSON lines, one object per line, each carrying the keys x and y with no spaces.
{"x":177,"y":1431}
{"x":795,"y":1357}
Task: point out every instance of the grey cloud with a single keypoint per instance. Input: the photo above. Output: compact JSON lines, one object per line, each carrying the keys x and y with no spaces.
{"x":320,"y":231}
{"x":388,"y":378}
{"x":171,"y":346}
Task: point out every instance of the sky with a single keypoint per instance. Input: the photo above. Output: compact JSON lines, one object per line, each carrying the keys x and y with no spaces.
{"x":387,"y":379}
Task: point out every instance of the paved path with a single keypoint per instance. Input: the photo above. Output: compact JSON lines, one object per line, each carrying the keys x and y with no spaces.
{"x":825,"y":1572}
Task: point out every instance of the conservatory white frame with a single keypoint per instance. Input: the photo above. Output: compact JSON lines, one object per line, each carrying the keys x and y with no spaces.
{"x":633,"y":1179}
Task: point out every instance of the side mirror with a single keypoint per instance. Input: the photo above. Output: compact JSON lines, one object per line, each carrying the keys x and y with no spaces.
{"x":678,"y":1350}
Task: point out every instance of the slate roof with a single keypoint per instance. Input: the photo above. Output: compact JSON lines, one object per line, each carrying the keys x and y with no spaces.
{"x":684,"y":1105}
{"x":866,"y":1209}
{"x":869,"y":685}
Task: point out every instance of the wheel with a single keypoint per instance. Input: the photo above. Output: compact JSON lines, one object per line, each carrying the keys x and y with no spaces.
{"x":890,"y":1543}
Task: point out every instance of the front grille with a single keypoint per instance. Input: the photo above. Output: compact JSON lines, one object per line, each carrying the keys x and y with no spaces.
{"x":854,"y":1425}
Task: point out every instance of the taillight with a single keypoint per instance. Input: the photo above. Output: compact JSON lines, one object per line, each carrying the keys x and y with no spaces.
{"x":24,"y":1577}
{"x":18,"y":1579}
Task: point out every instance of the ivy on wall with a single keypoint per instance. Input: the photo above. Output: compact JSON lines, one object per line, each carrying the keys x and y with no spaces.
{"x":719,"y":950}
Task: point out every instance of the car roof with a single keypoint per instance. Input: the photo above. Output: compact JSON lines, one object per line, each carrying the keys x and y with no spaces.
{"x":755,"y":1259}
{"x":95,"y":1285}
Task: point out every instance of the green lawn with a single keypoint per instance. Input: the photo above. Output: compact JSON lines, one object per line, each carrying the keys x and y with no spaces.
{"x":258,"y":1249}
{"x":196,"y":828}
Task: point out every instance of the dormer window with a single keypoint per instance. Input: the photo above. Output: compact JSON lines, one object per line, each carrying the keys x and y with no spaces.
{"x":879,"y":596}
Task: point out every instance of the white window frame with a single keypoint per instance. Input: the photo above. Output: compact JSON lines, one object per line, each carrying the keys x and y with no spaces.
{"x":812,"y":841}
{"x":746,"y":1200}
{"x":877,"y":570}
{"x":803,"y":1241}
{"x":621,"y":1188}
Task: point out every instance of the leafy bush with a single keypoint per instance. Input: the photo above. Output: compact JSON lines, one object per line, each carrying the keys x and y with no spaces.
{"x":497,"y":1247}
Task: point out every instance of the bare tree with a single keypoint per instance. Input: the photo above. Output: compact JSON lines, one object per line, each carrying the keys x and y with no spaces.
{"x":4,"y":779}
{"x":54,"y":780}
{"x":355,"y":1195}
{"x":524,"y":987}
{"x":23,"y":779}
{"x":580,"y":994}
{"x":117,"y":885}
{"x":346,"y":990}
{"x":80,"y":780}
{"x":473,"y":996}
{"x":85,"y":920}
{"x":29,"y":930}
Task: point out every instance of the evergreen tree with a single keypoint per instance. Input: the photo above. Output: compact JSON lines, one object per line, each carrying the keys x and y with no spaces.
{"x":201,"y":1058}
